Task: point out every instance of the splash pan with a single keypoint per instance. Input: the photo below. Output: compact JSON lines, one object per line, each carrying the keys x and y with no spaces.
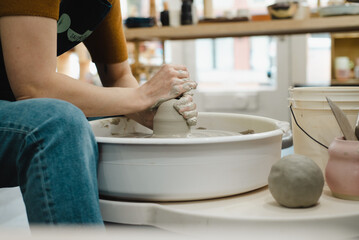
{"x":183,"y":169}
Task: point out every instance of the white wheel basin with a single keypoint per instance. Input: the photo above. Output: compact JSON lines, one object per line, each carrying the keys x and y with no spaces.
{"x":181,"y":169}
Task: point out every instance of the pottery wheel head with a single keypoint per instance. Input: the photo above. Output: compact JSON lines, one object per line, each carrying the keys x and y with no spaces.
{"x":168,"y":122}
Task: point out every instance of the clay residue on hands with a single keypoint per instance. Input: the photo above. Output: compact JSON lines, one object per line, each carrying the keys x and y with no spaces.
{"x":187,"y":108}
{"x":181,"y":87}
{"x":192,"y":121}
{"x":188,"y":86}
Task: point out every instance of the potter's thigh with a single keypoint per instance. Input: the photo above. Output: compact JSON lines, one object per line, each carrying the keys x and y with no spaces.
{"x":23,"y":124}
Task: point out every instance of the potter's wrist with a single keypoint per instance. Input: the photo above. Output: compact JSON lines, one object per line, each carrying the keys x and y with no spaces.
{"x":144,"y":118}
{"x":144,"y":98}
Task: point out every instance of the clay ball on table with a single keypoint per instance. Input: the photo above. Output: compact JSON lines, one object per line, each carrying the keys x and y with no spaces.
{"x":296,"y":181}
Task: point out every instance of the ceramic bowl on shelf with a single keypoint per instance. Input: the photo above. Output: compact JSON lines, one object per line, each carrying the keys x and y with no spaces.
{"x":284,"y":10}
{"x":339,"y":10}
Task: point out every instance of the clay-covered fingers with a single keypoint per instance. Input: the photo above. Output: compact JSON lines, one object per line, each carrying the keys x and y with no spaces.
{"x":181,"y":87}
{"x":187,"y":108}
{"x":189,"y":85}
{"x":181,"y":70}
{"x":178,"y":67}
{"x":190,"y":92}
{"x":183,"y":74}
{"x":181,"y":82}
{"x":184,"y":85}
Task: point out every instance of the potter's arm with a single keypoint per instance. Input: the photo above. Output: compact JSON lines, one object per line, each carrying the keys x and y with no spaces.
{"x":116,"y":75}
{"x":119,"y":75}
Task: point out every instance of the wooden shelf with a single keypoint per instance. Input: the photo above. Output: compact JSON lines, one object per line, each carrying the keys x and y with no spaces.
{"x":349,"y":82}
{"x":240,"y":29}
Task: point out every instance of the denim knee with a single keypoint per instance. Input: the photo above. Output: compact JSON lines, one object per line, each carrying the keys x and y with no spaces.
{"x":52,"y":122}
{"x":66,"y":123}
{"x":34,"y":112}
{"x":57,"y":115}
{"x":59,"y":112}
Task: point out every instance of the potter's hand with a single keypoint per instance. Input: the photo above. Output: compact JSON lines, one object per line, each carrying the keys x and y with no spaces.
{"x":169,"y":82}
{"x":145,"y":118}
{"x":187,"y":108}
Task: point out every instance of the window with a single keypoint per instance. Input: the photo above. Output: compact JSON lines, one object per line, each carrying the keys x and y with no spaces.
{"x":229,"y":64}
{"x":235,"y":63}
{"x":318,"y":59}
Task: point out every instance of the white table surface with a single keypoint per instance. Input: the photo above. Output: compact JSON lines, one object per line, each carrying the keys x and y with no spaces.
{"x":255,"y":214}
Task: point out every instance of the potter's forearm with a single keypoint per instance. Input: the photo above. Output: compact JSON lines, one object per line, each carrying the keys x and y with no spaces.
{"x":92,"y":100}
{"x":119,"y":75}
{"x":116,"y":75}
{"x":126,"y":81}
{"x":143,"y":117}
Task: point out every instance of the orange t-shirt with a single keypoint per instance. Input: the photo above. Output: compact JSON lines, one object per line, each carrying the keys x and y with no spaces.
{"x":106,"y":44}
{"x":97,"y":23}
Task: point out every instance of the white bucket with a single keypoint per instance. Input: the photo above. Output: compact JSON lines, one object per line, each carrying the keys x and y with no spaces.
{"x":314,"y":116}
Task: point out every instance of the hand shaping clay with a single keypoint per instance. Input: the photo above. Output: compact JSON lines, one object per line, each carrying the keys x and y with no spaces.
{"x":168,"y":122}
{"x":296,"y":181}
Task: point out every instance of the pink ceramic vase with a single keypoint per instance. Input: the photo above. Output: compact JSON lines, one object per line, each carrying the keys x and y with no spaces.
{"x":342,"y":170}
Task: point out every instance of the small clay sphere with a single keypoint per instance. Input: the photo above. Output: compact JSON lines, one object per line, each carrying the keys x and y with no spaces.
{"x":296,"y":181}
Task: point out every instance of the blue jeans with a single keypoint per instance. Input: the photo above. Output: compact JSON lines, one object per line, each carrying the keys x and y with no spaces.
{"x":48,"y":149}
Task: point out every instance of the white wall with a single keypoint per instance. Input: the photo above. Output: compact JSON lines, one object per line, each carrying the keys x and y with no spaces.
{"x":12,"y":210}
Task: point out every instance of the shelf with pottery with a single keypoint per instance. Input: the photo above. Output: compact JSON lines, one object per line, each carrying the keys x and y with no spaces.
{"x":245,"y":28}
{"x":239,"y":29}
{"x":349,"y":82}
{"x":345,"y":58}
